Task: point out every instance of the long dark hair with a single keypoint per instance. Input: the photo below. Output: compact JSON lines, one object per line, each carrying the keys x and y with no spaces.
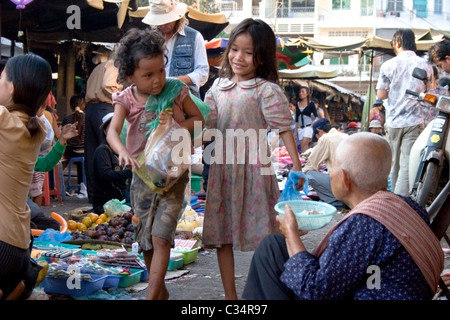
{"x":31,"y":76}
{"x":264,"y":49}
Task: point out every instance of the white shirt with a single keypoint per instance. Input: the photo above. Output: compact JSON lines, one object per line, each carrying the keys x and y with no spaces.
{"x":403,"y":110}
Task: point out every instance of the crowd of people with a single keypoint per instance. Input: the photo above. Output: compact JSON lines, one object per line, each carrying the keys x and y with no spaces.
{"x":153,"y":78}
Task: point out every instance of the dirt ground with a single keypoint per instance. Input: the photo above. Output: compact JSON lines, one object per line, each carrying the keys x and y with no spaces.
{"x":201,"y":280}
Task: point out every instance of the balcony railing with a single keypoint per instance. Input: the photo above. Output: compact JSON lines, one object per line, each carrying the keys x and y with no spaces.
{"x":303,"y":12}
{"x":293,"y":12}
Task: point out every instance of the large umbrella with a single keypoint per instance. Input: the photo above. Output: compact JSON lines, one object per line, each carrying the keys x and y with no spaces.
{"x":368,"y":103}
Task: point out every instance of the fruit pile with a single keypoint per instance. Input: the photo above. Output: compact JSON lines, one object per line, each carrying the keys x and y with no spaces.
{"x":89,"y":220}
{"x":100,"y":227}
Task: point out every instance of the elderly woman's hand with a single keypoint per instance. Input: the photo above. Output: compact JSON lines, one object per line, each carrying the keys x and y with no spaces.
{"x":289,"y":228}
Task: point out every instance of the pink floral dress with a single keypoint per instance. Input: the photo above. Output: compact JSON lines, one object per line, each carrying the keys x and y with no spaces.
{"x":242,"y":187}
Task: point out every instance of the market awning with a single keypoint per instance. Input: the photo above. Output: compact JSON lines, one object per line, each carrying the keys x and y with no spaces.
{"x":332,"y":91}
{"x":50,"y":21}
{"x":309,"y":72}
{"x":338,"y":91}
{"x":341,"y":44}
{"x":7,"y":45}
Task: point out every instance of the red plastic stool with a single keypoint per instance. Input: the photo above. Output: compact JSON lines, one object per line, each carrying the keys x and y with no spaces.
{"x":56,"y":191}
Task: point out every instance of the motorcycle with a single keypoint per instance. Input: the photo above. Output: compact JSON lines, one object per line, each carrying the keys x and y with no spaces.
{"x":429,"y":158}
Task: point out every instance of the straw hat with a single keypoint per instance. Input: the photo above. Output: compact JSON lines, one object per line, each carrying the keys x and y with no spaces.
{"x":164,"y":11}
{"x":100,"y":55}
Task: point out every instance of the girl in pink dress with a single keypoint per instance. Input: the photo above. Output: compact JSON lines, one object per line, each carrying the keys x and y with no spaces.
{"x":246,"y":101}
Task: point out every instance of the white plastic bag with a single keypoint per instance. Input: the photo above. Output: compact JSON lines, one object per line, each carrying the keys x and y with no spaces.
{"x":167,"y":155}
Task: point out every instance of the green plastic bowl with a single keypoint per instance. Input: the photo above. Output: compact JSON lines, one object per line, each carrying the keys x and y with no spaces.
{"x":308,"y":221}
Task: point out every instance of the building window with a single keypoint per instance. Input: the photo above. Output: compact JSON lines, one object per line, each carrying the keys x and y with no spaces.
{"x":395,"y":5}
{"x":303,"y":5}
{"x":420,"y":6}
{"x":340,"y":4}
{"x":366,"y":7}
{"x":294,"y":8}
{"x":437,"y":6}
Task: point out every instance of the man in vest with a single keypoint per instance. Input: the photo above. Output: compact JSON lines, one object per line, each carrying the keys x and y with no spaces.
{"x":383,"y":249}
{"x":186,"y":52}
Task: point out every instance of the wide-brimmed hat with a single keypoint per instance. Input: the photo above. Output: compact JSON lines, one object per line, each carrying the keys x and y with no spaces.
{"x":164,"y":11}
{"x":102,"y":50}
{"x":106,"y":120}
{"x":375,"y":124}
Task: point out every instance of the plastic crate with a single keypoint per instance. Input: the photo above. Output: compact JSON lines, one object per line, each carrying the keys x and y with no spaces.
{"x":189,"y":256}
{"x":175,"y":264}
{"x":111,"y":281}
{"x":129,"y":280}
{"x":196,"y":181}
{"x":144,"y":275}
{"x":53,"y":285}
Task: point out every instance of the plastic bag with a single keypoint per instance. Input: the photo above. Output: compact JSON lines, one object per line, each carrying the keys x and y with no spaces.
{"x":167,"y":155}
{"x":51,"y":235}
{"x":114,"y":207}
{"x":290,"y":192}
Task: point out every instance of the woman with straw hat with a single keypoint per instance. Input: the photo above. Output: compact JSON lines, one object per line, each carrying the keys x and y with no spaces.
{"x":186,"y":51}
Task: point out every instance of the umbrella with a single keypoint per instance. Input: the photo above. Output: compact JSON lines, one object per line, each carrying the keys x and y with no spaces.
{"x":368,"y":103}
{"x":219,"y":43}
{"x":215,"y":49}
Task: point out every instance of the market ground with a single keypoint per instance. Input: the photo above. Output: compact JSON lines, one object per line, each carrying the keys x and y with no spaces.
{"x":201,"y":280}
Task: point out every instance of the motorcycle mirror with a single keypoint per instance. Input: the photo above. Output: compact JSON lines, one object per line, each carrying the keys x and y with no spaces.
{"x":419,"y":73}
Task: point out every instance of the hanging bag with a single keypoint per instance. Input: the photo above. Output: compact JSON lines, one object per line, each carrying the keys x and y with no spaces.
{"x":167,"y":155}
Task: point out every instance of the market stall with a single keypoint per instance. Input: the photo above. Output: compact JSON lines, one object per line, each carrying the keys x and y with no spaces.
{"x":95,"y":256}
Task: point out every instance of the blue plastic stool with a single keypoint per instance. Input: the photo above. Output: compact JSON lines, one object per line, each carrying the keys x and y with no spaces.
{"x":83,"y":172}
